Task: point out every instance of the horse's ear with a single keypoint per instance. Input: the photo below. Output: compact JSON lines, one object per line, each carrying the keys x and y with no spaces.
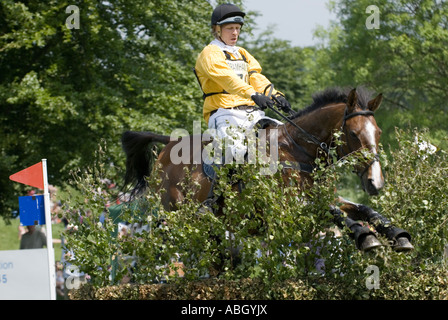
{"x":352,"y":100}
{"x":375,"y":103}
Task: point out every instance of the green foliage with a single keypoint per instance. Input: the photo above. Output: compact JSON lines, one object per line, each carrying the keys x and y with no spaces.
{"x":404,"y":59}
{"x":407,"y":50}
{"x":278,"y":251}
{"x":296,"y":72}
{"x":415,"y":193}
{"x":128,"y":66}
{"x":89,"y":239}
{"x":430,"y":285}
{"x":280,"y":230}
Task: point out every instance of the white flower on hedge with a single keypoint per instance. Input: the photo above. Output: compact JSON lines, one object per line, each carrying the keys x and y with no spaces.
{"x":425,"y":147}
{"x":72,"y":227}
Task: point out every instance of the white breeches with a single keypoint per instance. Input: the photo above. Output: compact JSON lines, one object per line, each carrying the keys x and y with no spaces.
{"x":231,"y":128}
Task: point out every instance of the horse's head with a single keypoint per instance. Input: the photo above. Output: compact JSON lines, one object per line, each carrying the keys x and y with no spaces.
{"x":361,"y":132}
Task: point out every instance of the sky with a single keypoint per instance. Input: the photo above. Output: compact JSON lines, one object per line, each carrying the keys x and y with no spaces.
{"x":293,"y":20}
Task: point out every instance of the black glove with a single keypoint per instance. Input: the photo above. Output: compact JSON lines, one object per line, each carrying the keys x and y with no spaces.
{"x":262,"y":101}
{"x":283,"y":104}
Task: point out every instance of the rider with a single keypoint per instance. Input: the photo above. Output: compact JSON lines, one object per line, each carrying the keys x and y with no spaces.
{"x":231,"y":80}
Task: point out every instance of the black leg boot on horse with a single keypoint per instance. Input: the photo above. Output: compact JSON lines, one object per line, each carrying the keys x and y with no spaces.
{"x":365,"y":238}
{"x":400,"y":239}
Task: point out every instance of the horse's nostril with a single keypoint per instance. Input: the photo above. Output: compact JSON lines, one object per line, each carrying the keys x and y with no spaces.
{"x":371,"y":188}
{"x":374,"y":184}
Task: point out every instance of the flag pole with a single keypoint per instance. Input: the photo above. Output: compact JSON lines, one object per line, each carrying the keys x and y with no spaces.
{"x":51,"y":259}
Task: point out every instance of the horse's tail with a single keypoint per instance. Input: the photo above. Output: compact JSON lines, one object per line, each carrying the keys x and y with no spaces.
{"x":140,"y":157}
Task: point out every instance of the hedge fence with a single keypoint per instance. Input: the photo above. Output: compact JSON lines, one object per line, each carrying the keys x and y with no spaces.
{"x":291,"y":257}
{"x":428,"y":285}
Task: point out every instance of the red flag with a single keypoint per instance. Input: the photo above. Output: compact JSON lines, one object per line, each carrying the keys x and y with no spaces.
{"x":32,"y":176}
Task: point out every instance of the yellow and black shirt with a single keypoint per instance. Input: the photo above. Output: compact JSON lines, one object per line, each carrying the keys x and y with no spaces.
{"x":228,"y":79}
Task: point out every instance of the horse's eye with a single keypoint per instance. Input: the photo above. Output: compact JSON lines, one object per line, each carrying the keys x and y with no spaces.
{"x":353,"y":134}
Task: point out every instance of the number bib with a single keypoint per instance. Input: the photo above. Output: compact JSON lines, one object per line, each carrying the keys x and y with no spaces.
{"x":239,"y":66}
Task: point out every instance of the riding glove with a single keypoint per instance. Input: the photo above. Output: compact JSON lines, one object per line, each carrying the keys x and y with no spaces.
{"x":262,"y":101}
{"x":283,"y":104}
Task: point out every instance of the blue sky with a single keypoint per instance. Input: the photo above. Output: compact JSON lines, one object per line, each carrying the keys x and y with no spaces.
{"x":293,"y":20}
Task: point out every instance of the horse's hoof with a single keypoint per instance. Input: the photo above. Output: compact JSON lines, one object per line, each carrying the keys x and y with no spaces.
{"x":370,"y":242}
{"x":402,"y":244}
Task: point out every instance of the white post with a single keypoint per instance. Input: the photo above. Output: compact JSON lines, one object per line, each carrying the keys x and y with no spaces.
{"x":51,"y":260}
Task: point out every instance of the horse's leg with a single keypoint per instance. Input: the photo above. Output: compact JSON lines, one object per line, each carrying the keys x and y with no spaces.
{"x":400,"y":238}
{"x":365,"y":239}
{"x":171,"y":194}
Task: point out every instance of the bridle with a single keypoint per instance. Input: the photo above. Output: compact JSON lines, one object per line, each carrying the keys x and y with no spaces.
{"x":303,"y":133}
{"x":321,"y":144}
{"x":365,"y":113}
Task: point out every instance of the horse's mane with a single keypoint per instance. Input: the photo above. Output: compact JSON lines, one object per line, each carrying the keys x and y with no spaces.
{"x":334,"y":95}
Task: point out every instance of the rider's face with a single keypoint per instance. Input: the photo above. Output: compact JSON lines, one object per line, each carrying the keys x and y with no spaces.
{"x":230,"y":33}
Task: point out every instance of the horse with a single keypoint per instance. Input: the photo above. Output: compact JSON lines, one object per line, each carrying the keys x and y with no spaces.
{"x":301,"y":138}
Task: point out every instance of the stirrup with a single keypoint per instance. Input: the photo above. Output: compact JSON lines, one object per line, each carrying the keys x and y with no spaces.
{"x":207,"y":205}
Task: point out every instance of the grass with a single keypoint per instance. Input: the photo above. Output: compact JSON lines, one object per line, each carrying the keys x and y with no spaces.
{"x":9,"y":236}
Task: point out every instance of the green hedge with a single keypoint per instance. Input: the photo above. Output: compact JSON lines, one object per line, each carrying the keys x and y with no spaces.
{"x":279,"y":262}
{"x":428,"y":285}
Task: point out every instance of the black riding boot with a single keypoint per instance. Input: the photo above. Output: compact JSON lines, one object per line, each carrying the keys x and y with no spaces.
{"x":209,"y":203}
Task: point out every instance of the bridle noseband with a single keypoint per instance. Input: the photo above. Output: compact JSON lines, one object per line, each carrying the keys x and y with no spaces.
{"x":321,"y":144}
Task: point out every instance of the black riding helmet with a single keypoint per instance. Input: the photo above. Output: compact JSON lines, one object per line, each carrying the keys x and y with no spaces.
{"x":227,"y":13}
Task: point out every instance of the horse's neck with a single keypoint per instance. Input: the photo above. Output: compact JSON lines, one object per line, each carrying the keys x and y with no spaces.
{"x":320,"y":123}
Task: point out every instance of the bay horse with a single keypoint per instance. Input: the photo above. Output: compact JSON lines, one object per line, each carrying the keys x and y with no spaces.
{"x":300,"y":139}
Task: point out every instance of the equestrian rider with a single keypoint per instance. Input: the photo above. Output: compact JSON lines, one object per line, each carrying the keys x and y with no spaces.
{"x":232,"y":83}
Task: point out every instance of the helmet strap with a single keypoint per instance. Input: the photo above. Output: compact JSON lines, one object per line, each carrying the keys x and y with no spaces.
{"x":218,"y":33}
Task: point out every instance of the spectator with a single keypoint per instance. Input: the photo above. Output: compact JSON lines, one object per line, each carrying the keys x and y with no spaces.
{"x":33,"y":239}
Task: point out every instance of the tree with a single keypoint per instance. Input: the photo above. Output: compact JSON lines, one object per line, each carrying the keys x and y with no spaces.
{"x":290,"y":69}
{"x":65,"y":89}
{"x":405,"y":58}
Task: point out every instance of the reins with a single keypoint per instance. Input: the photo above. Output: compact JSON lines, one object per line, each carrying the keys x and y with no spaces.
{"x":307,"y":136}
{"x":312,"y":139}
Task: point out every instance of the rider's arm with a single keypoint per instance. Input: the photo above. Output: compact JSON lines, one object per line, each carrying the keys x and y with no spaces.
{"x":256,"y":79}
